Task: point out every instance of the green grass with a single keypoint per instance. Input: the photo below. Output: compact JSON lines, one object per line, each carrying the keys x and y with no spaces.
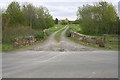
{"x":0,"y":47}
{"x":75,"y":27}
{"x":7,"y":47}
{"x":58,"y":35}
{"x":55,"y":28}
{"x":9,"y":34}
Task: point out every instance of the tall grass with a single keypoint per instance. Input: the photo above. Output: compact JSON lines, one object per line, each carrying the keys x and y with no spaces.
{"x":10,"y":34}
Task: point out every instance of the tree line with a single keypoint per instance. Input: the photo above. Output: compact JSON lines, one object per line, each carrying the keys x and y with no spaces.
{"x":26,"y":15}
{"x":98,"y":19}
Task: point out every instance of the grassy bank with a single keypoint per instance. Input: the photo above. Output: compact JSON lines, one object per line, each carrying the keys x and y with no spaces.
{"x":111,"y":43}
{"x":10,"y":34}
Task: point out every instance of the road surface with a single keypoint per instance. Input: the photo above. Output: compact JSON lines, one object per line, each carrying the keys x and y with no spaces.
{"x":64,"y":59}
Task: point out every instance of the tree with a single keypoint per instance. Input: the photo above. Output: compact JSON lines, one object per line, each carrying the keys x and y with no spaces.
{"x":49,"y":21}
{"x":5,"y":20}
{"x":14,"y":14}
{"x":43,"y":18}
{"x":98,"y":19}
{"x":56,"y":21}
{"x":29,"y":14}
{"x":64,"y":22}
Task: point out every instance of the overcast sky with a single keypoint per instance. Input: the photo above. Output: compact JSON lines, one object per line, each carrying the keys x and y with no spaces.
{"x":60,"y":9}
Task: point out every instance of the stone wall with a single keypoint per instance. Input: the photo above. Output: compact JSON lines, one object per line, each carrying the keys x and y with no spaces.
{"x":19,"y":42}
{"x":89,"y":39}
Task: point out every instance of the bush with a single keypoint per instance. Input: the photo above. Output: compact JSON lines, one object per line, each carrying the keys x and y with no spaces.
{"x":68,"y":33}
{"x":7,"y":47}
{"x":72,"y":28}
{"x":47,"y":32}
{"x":39,"y":35}
{"x":10,"y":34}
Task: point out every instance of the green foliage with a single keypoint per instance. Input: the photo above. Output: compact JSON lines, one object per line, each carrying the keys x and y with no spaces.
{"x":55,"y":28}
{"x":72,"y":28}
{"x":47,"y":32}
{"x":39,"y":35}
{"x":27,"y":15}
{"x":111,"y":41}
{"x":56,"y":21}
{"x":14,"y":14}
{"x":49,"y":21}
{"x":0,"y":47}
{"x":43,"y":19}
{"x":7,"y":47}
{"x":64,"y":22}
{"x":98,"y":19}
{"x":16,"y":19}
{"x":74,"y":22}
{"x":10,"y":34}
{"x":68,"y":33}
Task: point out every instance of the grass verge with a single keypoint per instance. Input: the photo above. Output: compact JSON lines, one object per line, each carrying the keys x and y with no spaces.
{"x":11,"y":34}
{"x":7,"y":47}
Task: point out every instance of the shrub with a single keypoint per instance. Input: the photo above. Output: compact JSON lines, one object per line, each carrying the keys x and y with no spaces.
{"x":47,"y":32}
{"x":68,"y":33}
{"x":7,"y":47}
{"x":9,"y":34}
{"x":39,"y":35}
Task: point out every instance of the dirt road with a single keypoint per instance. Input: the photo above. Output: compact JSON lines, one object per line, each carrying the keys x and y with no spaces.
{"x":63,"y":45}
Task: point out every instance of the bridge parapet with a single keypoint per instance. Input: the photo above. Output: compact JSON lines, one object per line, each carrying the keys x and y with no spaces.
{"x":89,"y":39}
